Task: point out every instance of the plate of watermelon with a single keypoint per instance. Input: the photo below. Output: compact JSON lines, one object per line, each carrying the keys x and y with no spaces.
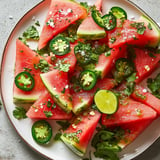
{"x":80,"y":79}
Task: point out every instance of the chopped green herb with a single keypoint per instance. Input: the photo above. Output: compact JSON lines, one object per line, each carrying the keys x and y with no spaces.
{"x":27,"y":69}
{"x":37,"y":23}
{"x":31,"y":33}
{"x":85,"y":5}
{"x":131,"y":78}
{"x":19,"y":113}
{"x":63,"y":91}
{"x":112,"y":40}
{"x":154,"y":85}
{"x":149,"y":26}
{"x":108,"y":53}
{"x":48,"y":114}
{"x":62,"y":66}
{"x":43,"y":65}
{"x":139,"y":26}
{"x":57,"y":136}
{"x":141,"y":96}
{"x":23,"y":40}
{"x":138,"y":112}
{"x":49,"y":104}
{"x":151,"y":55}
{"x":53,"y":106}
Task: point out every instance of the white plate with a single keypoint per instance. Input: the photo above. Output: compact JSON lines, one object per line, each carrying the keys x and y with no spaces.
{"x":58,"y":150}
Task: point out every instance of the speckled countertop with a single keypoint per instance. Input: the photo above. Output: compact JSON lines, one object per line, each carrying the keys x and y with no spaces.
{"x":11,"y":146}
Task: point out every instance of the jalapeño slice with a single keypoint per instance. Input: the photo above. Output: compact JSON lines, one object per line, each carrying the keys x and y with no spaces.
{"x":124,"y":66}
{"x":87,"y":79}
{"x":110,"y":21}
{"x":59,"y":46}
{"x":83,"y":52}
{"x":96,"y":15}
{"x":24,"y":81}
{"x":119,"y":12}
{"x":41,"y":132}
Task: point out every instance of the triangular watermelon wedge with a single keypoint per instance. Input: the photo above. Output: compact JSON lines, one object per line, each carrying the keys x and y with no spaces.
{"x":143,"y":95}
{"x":45,"y":108}
{"x":80,"y":132}
{"x":25,"y":61}
{"x":61,"y":14}
{"x":132,"y":131}
{"x":58,"y":85}
{"x":88,"y":29}
{"x":145,"y":62}
{"x":129,"y":111}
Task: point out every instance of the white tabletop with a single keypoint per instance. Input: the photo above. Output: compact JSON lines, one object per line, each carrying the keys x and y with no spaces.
{"x":11,"y":146}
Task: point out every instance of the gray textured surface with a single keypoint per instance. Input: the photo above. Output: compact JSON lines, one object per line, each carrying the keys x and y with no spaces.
{"x":11,"y":146}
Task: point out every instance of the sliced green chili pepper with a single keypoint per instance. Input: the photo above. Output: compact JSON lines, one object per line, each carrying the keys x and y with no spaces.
{"x":87,"y":79}
{"x":59,"y":45}
{"x":124,"y":66}
{"x":24,"y":81}
{"x":119,"y":12}
{"x":41,"y":132}
{"x":96,"y":15}
{"x":110,"y":21}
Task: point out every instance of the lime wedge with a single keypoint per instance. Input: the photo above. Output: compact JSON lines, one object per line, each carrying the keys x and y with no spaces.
{"x":106,"y":101}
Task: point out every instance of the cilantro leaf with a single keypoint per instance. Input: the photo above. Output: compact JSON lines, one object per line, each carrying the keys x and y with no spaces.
{"x":154,"y":85}
{"x":19,"y":113}
{"x":139,"y":26}
{"x":48,"y":114}
{"x":31,"y":33}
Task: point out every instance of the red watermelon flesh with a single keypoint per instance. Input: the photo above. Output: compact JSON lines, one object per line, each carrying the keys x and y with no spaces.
{"x":25,"y":60}
{"x":88,"y":29}
{"x":58,"y":85}
{"x":142,"y":95}
{"x":69,"y":58}
{"x":83,"y":99}
{"x":129,"y":111}
{"x":61,"y":14}
{"x":105,"y":63}
{"x":145,"y":62}
{"x":46,"y":104}
{"x":98,"y":5}
{"x":124,"y":33}
{"x":80,"y":132}
{"x":132,"y":131}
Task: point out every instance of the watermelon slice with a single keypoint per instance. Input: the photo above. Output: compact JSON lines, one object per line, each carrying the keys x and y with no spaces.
{"x":57,"y":84}
{"x":105,"y":63}
{"x":127,"y":34}
{"x":45,"y":108}
{"x":129,"y":111}
{"x":132,"y":131}
{"x":25,"y":61}
{"x":69,"y":58}
{"x":142,"y":95}
{"x":61,"y":14}
{"x":80,"y":132}
{"x":89,"y":29}
{"x":145,"y":62}
{"x":83,"y":99}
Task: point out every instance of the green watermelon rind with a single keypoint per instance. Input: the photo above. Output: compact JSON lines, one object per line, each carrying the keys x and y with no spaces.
{"x":54,"y":94}
{"x":80,"y":107}
{"x":91,"y":35}
{"x":155,"y":27}
{"x":80,"y":151}
{"x":20,"y":100}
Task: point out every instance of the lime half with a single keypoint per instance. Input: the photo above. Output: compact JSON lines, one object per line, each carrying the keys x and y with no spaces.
{"x":106,"y":101}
